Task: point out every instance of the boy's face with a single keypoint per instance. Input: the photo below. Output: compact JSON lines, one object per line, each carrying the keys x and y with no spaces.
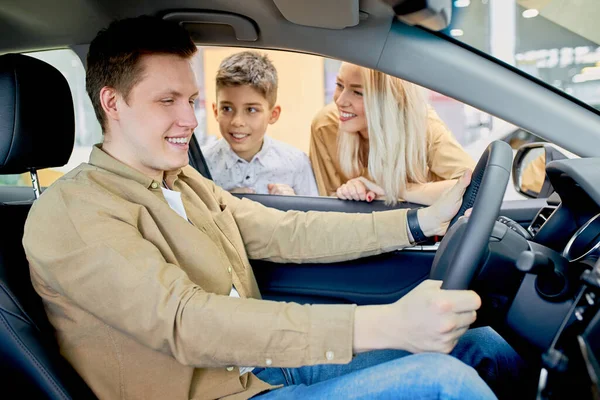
{"x":152,"y":129}
{"x":243,"y":115}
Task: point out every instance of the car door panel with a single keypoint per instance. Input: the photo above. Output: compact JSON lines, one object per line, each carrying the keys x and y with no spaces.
{"x":371,"y":280}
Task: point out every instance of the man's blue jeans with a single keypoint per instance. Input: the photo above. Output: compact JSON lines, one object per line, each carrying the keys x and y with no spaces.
{"x":394,"y":374}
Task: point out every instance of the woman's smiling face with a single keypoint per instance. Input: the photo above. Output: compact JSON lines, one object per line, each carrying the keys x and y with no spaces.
{"x":348,"y":97}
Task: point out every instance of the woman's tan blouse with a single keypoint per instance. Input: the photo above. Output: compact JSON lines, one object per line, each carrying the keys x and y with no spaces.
{"x":446,"y":159}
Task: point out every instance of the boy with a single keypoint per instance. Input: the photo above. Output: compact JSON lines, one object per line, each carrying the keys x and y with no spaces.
{"x":247,"y":161}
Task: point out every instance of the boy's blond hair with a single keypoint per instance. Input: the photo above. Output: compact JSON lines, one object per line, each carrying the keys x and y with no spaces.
{"x":249,"y":68}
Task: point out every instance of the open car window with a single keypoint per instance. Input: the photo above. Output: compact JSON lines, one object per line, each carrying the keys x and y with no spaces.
{"x":306,"y":85}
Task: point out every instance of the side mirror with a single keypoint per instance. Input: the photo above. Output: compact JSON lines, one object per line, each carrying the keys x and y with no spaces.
{"x":430,"y":14}
{"x":529,"y":169}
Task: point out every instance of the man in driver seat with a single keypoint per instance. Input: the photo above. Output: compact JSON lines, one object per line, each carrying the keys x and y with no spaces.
{"x":143,"y":265}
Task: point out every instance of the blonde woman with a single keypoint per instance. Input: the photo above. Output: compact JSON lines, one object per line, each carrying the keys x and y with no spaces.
{"x":380,"y":139}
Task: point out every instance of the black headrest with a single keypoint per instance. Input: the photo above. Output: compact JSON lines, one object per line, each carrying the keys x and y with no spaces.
{"x":37,"y":122}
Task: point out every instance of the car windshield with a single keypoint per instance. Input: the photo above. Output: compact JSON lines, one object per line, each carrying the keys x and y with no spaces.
{"x":556,"y":41}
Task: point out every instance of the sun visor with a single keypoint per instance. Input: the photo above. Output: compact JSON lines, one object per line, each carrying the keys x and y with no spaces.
{"x":215,"y":25}
{"x":331,"y":14}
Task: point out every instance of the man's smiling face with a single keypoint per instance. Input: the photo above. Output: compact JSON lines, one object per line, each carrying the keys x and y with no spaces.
{"x":151,"y":129}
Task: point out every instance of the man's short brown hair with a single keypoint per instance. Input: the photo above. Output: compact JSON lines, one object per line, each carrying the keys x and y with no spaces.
{"x":114,"y":56}
{"x":249,"y":68}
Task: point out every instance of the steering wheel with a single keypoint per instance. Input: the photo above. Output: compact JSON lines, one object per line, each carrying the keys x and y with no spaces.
{"x":465,"y":243}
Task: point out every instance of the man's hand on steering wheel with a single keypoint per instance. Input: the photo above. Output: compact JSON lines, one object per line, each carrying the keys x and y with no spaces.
{"x":458,"y":258}
{"x":434,"y":220}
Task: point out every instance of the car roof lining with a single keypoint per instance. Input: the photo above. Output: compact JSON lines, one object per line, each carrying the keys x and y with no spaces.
{"x":408,"y":52}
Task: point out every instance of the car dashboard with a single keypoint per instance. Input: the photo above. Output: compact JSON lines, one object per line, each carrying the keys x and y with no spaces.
{"x":570,"y":365}
{"x":573,"y":227}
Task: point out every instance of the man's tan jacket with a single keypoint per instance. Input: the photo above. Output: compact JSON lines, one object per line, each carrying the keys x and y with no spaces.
{"x":139,"y":296}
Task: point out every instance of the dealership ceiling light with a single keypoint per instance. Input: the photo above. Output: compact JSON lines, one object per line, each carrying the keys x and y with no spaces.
{"x":587,"y":74}
{"x":456,"y":32}
{"x":462,"y":3}
{"x":531,"y":13}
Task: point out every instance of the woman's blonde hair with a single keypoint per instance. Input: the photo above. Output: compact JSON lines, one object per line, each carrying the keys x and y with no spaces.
{"x":395,"y":153}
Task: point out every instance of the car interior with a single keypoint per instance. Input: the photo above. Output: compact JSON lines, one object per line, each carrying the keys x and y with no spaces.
{"x":534,"y":267}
